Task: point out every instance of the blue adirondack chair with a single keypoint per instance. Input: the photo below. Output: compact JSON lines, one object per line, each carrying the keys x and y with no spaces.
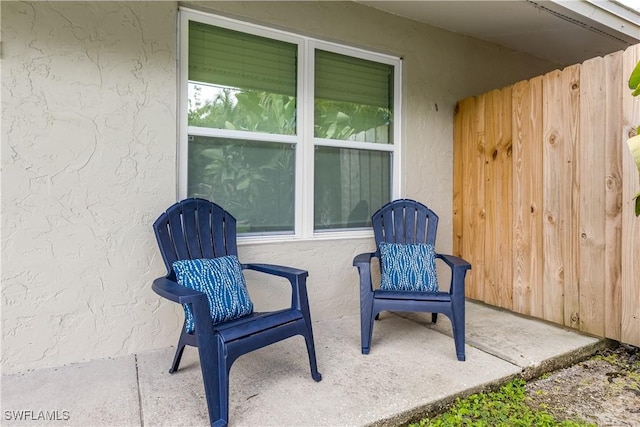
{"x":405,"y":234}
{"x":196,"y":229}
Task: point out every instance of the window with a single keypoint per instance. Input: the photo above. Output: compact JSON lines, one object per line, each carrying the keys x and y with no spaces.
{"x":293,"y":136}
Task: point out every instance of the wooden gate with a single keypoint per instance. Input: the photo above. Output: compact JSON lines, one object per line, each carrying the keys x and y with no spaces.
{"x":543,"y":197}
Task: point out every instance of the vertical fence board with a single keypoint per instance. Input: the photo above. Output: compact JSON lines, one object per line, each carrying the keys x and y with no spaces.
{"x":521,"y":244}
{"x":492,"y":126}
{"x":498,"y":199}
{"x":527,"y":198}
{"x":630,"y":277}
{"x":458,"y":174}
{"x":613,"y":195}
{"x":557,"y":197}
{"x":592,"y":175}
{"x":477,"y":211}
{"x":536,"y":200}
{"x":571,"y":120}
{"x":505,"y":210}
{"x":471,"y":173}
{"x":520,"y":303}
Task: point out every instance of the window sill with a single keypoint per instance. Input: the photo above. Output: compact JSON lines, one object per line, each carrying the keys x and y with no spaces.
{"x":289,"y":238}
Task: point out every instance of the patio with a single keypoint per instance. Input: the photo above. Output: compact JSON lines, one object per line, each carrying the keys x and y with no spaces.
{"x":272,"y":386}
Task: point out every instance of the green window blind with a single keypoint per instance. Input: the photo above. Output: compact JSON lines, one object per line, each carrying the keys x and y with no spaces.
{"x":239,"y":60}
{"x":354,"y":80}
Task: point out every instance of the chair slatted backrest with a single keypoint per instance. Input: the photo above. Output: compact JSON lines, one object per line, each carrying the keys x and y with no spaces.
{"x":404,"y":221}
{"x":195,"y":228}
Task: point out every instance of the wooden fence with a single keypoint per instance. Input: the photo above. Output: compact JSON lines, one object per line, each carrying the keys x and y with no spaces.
{"x":543,"y":197}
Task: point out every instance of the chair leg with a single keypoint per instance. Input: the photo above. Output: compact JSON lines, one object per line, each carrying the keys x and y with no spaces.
{"x":179,"y":351}
{"x":457,"y":323}
{"x":215,"y":376}
{"x":366,"y":324}
{"x":366,"y":332}
{"x":311,"y":349}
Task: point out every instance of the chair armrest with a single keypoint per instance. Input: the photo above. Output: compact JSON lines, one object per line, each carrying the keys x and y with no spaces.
{"x":198,"y":300}
{"x":277,"y":270}
{"x":459,"y":269}
{"x":454,"y":261}
{"x":171,"y":290}
{"x":363,"y":263}
{"x":363,"y":259}
{"x":297,"y":278}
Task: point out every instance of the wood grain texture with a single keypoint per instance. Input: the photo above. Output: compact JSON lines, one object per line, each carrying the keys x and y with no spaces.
{"x":498,"y":198}
{"x":458,"y":176}
{"x":492,"y":117}
{"x":571,"y":126}
{"x":591,"y":176}
{"x":556,"y":188}
{"x":469,"y":173}
{"x":613,"y":195}
{"x":476,"y":209}
{"x":527,"y":197}
{"x":505,"y":212}
{"x":630,"y":275}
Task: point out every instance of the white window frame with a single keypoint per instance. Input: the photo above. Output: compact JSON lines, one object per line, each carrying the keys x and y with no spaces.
{"x":304,"y":139}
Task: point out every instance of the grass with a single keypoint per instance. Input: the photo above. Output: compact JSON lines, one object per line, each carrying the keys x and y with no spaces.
{"x":503,"y":408}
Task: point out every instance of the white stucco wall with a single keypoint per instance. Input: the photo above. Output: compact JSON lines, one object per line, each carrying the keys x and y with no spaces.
{"x":89,"y":161}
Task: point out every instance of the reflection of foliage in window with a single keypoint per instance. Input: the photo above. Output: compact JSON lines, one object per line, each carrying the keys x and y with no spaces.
{"x":254,"y":181}
{"x":247,"y":110}
{"x":273,"y":113}
{"x":345,"y":121}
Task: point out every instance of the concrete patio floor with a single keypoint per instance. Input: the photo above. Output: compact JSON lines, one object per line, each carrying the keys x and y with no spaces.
{"x":412,"y":367}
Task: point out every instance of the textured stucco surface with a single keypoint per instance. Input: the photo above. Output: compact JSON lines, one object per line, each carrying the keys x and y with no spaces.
{"x":88,"y":157}
{"x":89,"y":160}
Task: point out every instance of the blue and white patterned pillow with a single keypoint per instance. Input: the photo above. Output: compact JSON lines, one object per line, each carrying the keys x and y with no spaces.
{"x":223,"y":282}
{"x":408,"y":267}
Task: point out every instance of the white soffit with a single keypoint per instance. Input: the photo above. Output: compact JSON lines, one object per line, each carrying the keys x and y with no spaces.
{"x":563,"y":31}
